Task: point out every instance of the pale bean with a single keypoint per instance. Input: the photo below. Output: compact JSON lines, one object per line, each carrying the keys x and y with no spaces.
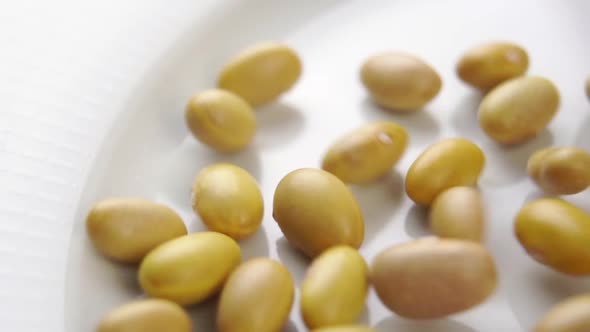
{"x":400,"y":81}
{"x":432,"y":278}
{"x":518,"y":109}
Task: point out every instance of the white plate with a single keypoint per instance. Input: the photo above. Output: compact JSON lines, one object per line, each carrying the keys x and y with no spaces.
{"x":95,"y":105}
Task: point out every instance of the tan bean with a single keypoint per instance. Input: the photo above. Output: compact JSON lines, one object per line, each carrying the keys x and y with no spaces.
{"x":257,"y":297}
{"x":400,"y":81}
{"x":458,"y":213}
{"x":490,"y":64}
{"x":535,"y":163}
{"x":562,"y":171}
{"x":366,"y":153}
{"x":518,"y":109}
{"x":432,"y":278}
{"x":315,"y":211}
{"x":571,"y":315}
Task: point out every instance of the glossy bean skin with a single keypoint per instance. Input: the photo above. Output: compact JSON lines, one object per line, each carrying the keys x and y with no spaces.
{"x":487,"y":65}
{"x":221,"y":120}
{"x":335,"y":288}
{"x":458,"y":213}
{"x":150,"y":315}
{"x":189,"y":269}
{"x":256,"y":298}
{"x":315,"y":211}
{"x":228,"y":200}
{"x":126,"y":229}
{"x":400,"y":81}
{"x":570,"y":315}
{"x":560,"y":170}
{"x":518,"y":109}
{"x":261,"y":73}
{"x":448,"y":163}
{"x":367,"y":153}
{"x":431,"y":278}
{"x":555,"y":233}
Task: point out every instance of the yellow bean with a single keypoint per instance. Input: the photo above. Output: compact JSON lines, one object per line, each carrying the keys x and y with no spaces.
{"x":261,"y":73}
{"x":335,"y":288}
{"x":189,"y":269}
{"x":490,"y":64}
{"x":448,"y":163}
{"x":126,"y":229}
{"x":556,"y":234}
{"x":518,"y":109}
{"x":315,"y":211}
{"x":221,"y":120}
{"x":228,"y":200}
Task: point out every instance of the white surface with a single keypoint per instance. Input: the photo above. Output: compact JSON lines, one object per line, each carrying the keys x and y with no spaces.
{"x":93,"y":95}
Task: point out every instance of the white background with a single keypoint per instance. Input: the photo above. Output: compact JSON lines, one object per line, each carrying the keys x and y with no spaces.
{"x":92,"y":99}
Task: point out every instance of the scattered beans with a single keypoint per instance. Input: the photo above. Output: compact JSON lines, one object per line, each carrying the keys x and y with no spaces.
{"x":428,"y":278}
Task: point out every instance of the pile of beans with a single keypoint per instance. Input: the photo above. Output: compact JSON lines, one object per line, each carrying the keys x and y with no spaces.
{"x":427,"y":278}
